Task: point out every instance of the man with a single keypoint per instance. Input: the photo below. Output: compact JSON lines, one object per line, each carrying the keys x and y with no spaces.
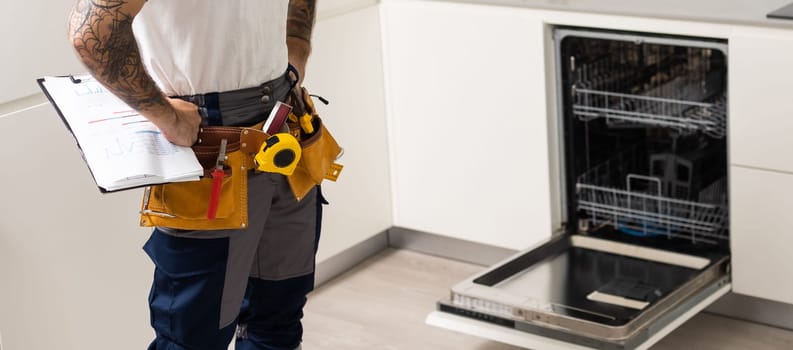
{"x":222,"y":63}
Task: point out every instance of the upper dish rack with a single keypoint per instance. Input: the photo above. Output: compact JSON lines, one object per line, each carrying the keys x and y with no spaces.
{"x":676,"y":91}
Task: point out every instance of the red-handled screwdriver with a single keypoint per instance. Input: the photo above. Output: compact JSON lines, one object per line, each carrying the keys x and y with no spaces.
{"x":217,"y":182}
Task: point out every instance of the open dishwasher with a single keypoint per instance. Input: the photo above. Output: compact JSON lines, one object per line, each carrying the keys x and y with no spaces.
{"x":643,"y":164}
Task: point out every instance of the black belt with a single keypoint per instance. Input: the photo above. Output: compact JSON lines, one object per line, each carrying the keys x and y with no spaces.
{"x":243,"y":107}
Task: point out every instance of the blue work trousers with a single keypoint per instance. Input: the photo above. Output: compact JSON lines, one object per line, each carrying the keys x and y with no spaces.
{"x":209,"y":285}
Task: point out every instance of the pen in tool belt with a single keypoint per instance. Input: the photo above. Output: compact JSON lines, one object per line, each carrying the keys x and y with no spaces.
{"x":217,"y":181}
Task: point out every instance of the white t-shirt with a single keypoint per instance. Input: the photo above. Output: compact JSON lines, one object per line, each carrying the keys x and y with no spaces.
{"x":200,"y":46}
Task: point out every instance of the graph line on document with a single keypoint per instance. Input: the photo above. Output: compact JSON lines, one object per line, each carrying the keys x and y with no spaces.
{"x":113,"y":118}
{"x":144,"y":142}
{"x":136,"y":122}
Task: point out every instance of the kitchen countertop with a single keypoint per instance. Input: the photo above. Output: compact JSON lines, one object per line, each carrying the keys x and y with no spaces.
{"x":744,"y":12}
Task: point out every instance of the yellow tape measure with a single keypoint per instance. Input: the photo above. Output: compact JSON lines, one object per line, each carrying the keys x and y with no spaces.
{"x":279,"y":154}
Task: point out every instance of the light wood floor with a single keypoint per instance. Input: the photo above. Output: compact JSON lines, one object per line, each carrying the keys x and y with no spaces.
{"x":382,"y":303}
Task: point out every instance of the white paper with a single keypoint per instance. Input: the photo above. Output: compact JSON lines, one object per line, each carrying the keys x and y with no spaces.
{"x":121,"y":147}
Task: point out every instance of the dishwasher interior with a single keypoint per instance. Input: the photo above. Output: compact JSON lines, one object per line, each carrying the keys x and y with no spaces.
{"x":642,"y":144}
{"x":645,"y":139}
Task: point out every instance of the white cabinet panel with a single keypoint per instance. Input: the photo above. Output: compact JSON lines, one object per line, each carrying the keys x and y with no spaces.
{"x":69,"y":255}
{"x":346,"y":67}
{"x":468,"y":121}
{"x":761,"y":99}
{"x":762,"y":238}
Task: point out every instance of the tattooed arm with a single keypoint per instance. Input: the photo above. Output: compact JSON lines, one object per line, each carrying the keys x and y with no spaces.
{"x":299,"y":25}
{"x":101,"y":32}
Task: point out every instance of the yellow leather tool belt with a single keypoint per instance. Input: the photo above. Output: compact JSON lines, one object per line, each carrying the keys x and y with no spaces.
{"x":184,"y":205}
{"x":320,"y":149}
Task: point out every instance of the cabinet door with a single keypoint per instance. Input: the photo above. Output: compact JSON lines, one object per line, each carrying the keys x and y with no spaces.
{"x":346,"y":67}
{"x":762,"y":240}
{"x":761,"y":99}
{"x":465,"y":87}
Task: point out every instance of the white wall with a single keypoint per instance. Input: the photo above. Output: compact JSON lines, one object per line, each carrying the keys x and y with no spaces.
{"x":34,"y":43}
{"x":332,"y":8}
{"x":73,"y":275}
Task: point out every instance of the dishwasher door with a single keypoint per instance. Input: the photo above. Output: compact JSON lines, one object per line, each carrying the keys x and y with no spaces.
{"x":586,"y":291}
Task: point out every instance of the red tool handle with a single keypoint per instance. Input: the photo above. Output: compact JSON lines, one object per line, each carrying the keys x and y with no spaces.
{"x":214,"y":196}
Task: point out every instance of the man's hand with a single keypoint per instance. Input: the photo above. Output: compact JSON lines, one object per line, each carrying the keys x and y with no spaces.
{"x":183,"y":129}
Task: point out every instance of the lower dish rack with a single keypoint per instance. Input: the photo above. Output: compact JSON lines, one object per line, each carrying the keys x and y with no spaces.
{"x":641,"y":208}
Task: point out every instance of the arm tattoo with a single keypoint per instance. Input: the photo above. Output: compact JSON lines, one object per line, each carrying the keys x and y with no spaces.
{"x":103,"y":38}
{"x":300,"y":20}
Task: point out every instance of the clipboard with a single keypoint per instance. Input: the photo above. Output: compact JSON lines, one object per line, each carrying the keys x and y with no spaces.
{"x":178,"y":157}
{"x":40,"y":82}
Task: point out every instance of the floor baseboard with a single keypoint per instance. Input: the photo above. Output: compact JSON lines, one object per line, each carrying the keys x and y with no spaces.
{"x":338,"y":264}
{"x":447,"y":247}
{"x":755,"y":310}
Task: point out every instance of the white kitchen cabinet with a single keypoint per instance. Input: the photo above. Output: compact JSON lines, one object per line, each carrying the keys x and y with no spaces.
{"x":761,"y":99}
{"x":346,"y":68}
{"x":69,"y":255}
{"x":468,"y":121}
{"x":761,"y":187}
{"x":762,"y":240}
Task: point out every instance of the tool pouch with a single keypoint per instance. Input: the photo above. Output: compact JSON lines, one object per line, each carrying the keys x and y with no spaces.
{"x":184,"y":205}
{"x":320,"y":150}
